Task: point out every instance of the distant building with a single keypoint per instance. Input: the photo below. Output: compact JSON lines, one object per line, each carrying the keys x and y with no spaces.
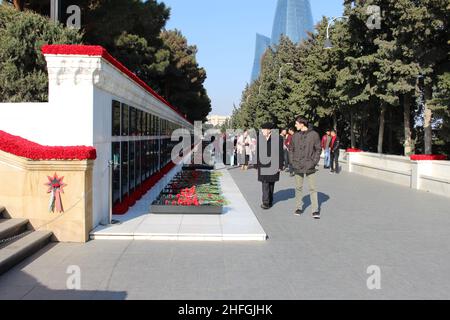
{"x":217,"y":120}
{"x":262,"y":43}
{"x":293,"y":18}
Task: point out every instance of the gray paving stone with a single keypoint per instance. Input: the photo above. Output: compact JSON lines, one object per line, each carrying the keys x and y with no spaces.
{"x":365,"y":222}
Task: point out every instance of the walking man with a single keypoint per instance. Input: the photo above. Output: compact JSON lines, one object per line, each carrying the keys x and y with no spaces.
{"x":334,"y":147}
{"x":268,"y":179}
{"x":326,"y":141}
{"x":305,"y":151}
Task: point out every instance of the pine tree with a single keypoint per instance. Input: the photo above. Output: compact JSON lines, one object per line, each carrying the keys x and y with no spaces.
{"x":23,"y":74}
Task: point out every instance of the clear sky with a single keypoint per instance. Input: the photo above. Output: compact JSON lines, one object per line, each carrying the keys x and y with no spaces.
{"x":224,"y":32}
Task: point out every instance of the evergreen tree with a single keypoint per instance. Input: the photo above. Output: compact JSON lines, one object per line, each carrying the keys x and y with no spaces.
{"x":23,"y":74}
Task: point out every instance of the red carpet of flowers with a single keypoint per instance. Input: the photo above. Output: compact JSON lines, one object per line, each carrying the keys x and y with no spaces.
{"x":24,"y":148}
{"x":428,"y":157}
{"x":350,"y":150}
{"x":130,"y":200}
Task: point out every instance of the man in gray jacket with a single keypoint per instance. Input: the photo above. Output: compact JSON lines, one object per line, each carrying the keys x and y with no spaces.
{"x":305,"y":150}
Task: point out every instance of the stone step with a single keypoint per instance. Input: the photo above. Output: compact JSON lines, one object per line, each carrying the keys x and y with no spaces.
{"x":12,"y":227}
{"x":22,"y":249}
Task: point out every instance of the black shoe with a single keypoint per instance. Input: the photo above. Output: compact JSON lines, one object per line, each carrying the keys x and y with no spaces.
{"x":265,"y":207}
{"x":298,"y":212}
{"x":316,"y":215}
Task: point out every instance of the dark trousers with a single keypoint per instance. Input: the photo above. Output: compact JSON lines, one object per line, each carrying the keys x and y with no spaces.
{"x":268,"y":189}
{"x":286,"y":158}
{"x":335,"y":161}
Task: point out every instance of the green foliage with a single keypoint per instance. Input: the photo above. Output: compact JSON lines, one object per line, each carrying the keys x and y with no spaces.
{"x":369,"y":80}
{"x":133,"y":32}
{"x":183,"y":79}
{"x":23,"y":75}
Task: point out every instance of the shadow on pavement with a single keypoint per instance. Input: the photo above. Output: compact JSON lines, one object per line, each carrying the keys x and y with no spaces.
{"x":16,"y":284}
{"x":289,"y":194}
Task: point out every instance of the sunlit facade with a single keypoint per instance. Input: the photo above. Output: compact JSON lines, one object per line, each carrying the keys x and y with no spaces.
{"x":293,"y":18}
{"x":262,"y":43}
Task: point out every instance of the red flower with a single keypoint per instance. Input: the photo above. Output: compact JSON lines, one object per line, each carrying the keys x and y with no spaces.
{"x":428,"y":157}
{"x":33,"y":151}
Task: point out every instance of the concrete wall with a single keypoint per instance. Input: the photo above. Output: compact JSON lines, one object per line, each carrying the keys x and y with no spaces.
{"x":24,"y":194}
{"x":429,"y":176}
{"x":81,"y":91}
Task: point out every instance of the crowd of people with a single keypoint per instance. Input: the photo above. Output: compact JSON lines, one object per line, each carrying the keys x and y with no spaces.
{"x":300,"y":149}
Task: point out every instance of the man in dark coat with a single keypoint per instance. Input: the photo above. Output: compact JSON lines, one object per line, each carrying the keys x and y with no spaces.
{"x":269,"y":171}
{"x":305,"y":150}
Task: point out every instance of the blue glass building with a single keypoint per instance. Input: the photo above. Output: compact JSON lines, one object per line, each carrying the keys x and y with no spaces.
{"x":293,"y":18}
{"x":262,"y":43}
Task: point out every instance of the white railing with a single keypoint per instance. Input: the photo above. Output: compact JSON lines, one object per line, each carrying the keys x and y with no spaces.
{"x":429,"y":176}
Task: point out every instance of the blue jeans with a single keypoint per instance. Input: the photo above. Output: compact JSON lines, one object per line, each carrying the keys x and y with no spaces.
{"x":327,"y":160}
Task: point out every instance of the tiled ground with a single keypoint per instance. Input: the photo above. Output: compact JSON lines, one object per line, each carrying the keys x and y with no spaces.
{"x":365,"y":222}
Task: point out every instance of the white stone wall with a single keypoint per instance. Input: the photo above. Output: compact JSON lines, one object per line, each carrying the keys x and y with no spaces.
{"x":81,"y":91}
{"x":429,"y":176}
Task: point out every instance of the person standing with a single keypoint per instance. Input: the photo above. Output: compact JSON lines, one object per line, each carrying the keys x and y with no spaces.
{"x":326,"y":142}
{"x":233,"y":152}
{"x":334,"y":147}
{"x":268,"y":179}
{"x":243,"y":147}
{"x":291,"y":133}
{"x":305,"y":151}
{"x":284,"y":135}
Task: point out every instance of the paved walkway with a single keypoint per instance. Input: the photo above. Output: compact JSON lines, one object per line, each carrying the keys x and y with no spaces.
{"x":365,"y":222}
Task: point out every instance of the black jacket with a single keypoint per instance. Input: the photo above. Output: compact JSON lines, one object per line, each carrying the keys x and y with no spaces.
{"x":304,"y":151}
{"x":274,"y":177}
{"x":336,"y":145}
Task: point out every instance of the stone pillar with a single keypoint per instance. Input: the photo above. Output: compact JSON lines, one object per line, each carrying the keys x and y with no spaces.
{"x":24,"y":194}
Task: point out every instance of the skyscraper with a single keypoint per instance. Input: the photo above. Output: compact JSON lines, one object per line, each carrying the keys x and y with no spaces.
{"x":262,"y":43}
{"x":293,"y":18}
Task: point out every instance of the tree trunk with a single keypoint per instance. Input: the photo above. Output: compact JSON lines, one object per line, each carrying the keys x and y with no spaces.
{"x":352,"y":129}
{"x":381,"y":129}
{"x":390,"y":129}
{"x":335,"y":124}
{"x":19,"y":4}
{"x":427,"y":122}
{"x":407,"y":123}
{"x":362,"y":135}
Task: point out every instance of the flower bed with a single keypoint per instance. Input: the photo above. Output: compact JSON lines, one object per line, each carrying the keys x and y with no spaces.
{"x":191,"y":192}
{"x":428,"y":157}
{"x":353,"y":150}
{"x":130,"y":200}
{"x":27,"y":149}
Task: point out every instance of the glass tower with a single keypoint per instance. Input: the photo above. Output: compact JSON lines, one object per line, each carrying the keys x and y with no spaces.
{"x":293,"y":18}
{"x":262,"y":43}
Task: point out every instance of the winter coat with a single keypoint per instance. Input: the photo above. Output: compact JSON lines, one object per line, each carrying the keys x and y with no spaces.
{"x":305,"y":151}
{"x":276,"y":176}
{"x":335,"y":144}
